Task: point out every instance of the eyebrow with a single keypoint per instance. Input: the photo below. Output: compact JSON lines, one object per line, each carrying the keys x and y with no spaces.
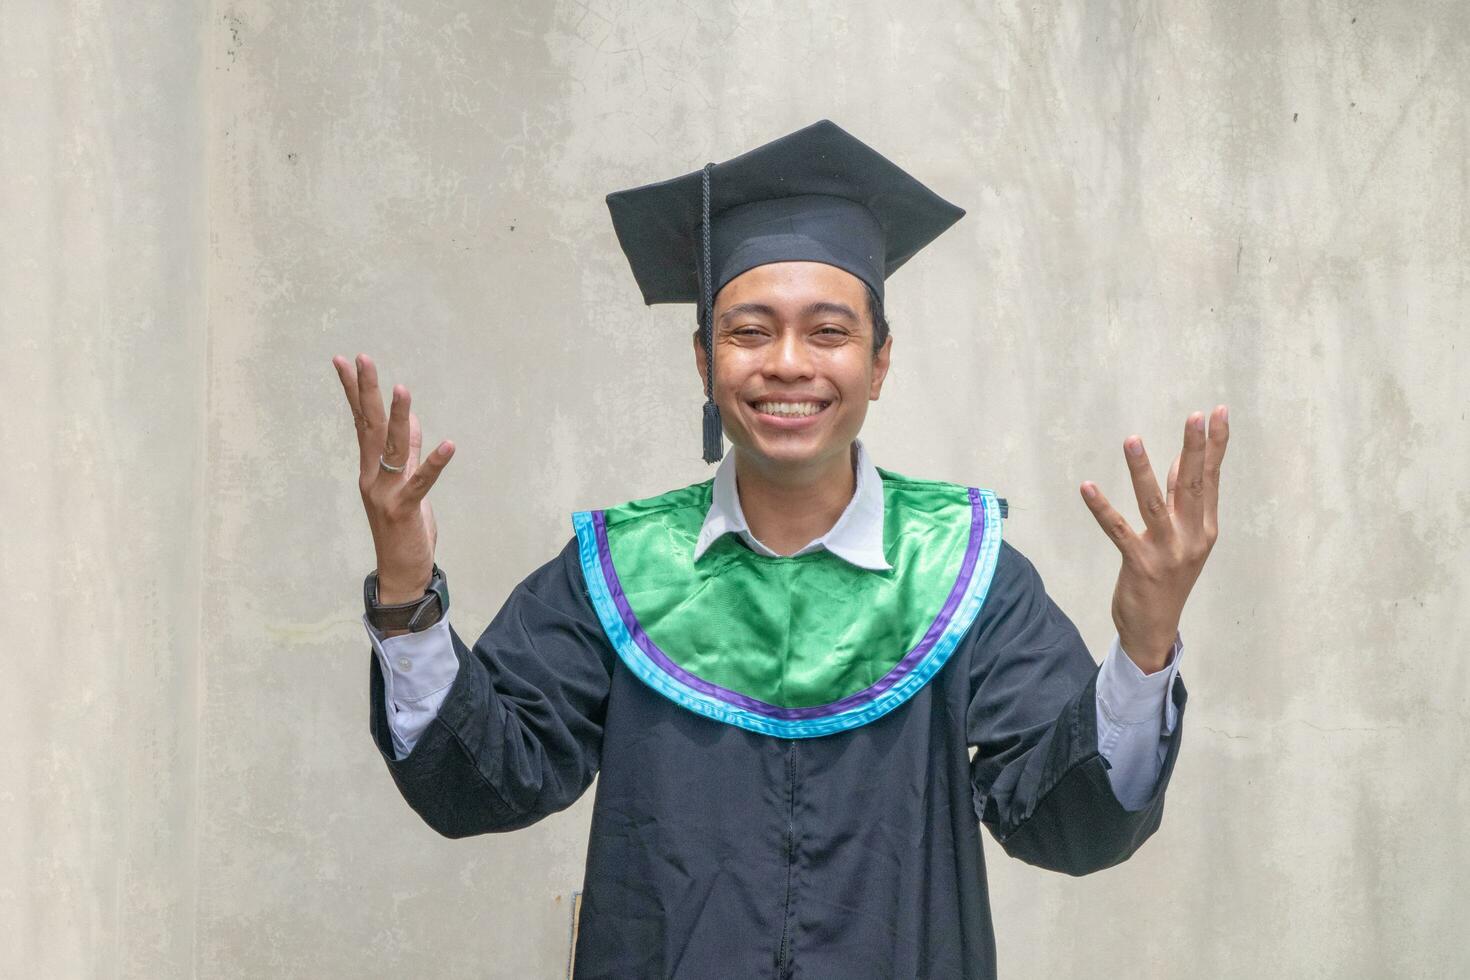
{"x":812,"y":309}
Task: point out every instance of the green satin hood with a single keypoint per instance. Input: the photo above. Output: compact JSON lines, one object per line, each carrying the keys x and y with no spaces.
{"x":790,"y":646}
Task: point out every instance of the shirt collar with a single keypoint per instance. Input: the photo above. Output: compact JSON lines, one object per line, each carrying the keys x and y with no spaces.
{"x":856,"y":538}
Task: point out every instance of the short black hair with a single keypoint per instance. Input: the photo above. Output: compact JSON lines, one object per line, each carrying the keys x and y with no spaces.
{"x":880,"y":322}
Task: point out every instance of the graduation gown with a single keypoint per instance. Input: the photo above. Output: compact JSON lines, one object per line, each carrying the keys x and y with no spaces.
{"x":717,"y":852}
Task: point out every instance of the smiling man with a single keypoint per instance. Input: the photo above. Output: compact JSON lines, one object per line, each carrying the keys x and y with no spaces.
{"x":780,"y":673}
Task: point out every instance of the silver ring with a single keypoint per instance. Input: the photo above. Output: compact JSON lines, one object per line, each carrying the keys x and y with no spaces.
{"x":390,"y":468}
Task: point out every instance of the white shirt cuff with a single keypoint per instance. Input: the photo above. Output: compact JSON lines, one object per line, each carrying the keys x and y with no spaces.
{"x":1134,"y":716}
{"x":418,"y":670}
{"x":1129,"y":696}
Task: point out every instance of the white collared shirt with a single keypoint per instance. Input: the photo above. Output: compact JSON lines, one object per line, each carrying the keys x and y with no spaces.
{"x":856,"y":538}
{"x":1134,"y":713}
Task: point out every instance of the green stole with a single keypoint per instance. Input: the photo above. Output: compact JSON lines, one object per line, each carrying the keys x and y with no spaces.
{"x":793,"y":647}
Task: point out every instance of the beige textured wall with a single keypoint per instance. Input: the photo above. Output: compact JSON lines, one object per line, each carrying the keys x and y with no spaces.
{"x":1171,"y":204}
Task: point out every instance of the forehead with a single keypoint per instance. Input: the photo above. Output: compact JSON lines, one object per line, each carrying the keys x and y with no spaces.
{"x":794,"y":283}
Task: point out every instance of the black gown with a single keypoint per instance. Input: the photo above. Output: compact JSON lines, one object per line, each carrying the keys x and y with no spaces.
{"x":717,"y":852}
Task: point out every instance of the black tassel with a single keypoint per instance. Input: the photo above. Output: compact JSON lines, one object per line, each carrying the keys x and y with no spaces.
{"x":714,"y":444}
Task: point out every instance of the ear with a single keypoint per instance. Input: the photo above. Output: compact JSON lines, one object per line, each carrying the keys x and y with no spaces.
{"x":880,"y":368}
{"x":699,"y":361}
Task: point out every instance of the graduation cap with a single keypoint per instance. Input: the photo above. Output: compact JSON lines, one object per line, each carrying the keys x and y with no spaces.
{"x":817,"y":195}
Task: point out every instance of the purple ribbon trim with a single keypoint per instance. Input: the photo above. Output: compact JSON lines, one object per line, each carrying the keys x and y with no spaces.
{"x":908,"y":663}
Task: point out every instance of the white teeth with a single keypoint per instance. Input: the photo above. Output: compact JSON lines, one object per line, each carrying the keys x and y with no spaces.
{"x":794,"y":409}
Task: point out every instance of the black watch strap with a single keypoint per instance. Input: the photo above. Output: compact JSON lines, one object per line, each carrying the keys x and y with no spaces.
{"x":414,"y":616}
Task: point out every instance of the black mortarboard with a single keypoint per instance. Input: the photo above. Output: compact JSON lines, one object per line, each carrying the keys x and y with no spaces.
{"x":818,"y":194}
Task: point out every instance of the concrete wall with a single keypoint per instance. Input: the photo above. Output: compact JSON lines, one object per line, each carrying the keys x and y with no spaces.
{"x":1171,"y":205}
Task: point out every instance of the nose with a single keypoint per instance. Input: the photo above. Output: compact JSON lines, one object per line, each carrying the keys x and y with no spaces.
{"x":788,"y":359}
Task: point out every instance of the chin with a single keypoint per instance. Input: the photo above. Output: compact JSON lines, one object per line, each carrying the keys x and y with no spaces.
{"x":790,"y":444}
{"x":791,"y":452}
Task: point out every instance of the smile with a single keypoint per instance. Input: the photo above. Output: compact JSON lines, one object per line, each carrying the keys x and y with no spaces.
{"x":789,"y":410}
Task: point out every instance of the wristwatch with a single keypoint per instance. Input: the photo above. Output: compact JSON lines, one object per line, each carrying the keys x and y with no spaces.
{"x":415,"y":616}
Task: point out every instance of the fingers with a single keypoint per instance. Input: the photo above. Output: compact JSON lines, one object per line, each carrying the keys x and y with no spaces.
{"x":369,"y":401}
{"x":1151,"y":503}
{"x":371,"y":424}
{"x":396,"y":450}
{"x":397,"y":436}
{"x":1189,"y":500}
{"x":1219,"y":437}
{"x":428,"y":471}
{"x":419,"y":482}
{"x":1113,"y":523}
{"x":347,"y":374}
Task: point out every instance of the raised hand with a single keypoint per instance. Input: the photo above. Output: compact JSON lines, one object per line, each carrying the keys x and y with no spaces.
{"x":394,"y":481}
{"x":1160,"y":565}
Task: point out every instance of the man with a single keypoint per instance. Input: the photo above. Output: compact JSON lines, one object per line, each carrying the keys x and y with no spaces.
{"x":780,"y":672}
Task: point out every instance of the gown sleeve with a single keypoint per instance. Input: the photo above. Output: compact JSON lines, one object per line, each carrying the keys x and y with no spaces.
{"x":1040,"y":784}
{"x":519,"y":733}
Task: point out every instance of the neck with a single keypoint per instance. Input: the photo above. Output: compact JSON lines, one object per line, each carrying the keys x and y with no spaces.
{"x":787,"y":509}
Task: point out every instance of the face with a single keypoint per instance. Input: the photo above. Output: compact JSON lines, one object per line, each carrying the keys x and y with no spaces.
{"x":794,"y":363}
